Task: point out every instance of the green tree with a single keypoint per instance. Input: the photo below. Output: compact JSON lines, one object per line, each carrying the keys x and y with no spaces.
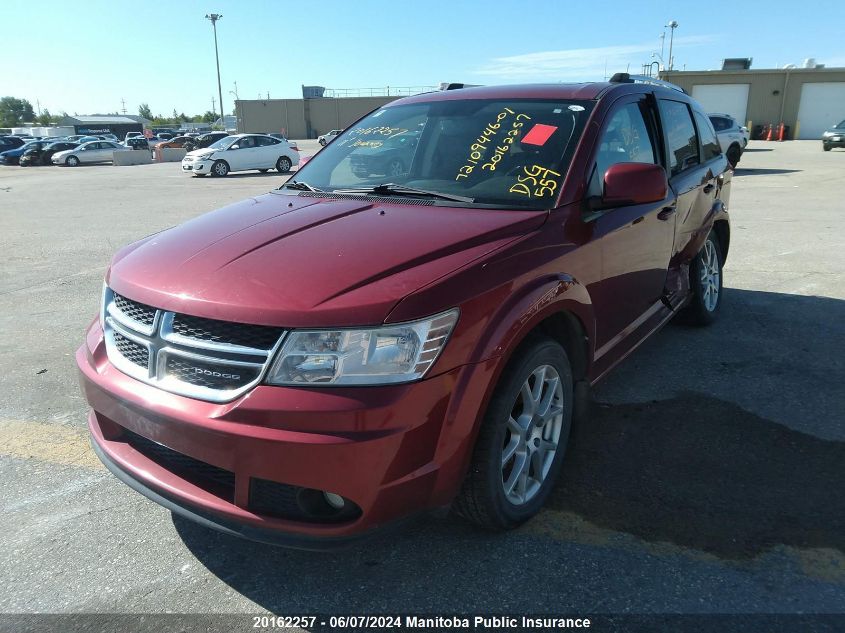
{"x":15,"y":111}
{"x":46,"y":118}
{"x":208,"y":117}
{"x":144,"y":111}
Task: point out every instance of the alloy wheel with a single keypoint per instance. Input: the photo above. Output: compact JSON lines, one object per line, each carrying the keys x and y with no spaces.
{"x":532,"y":435}
{"x":709,"y":276}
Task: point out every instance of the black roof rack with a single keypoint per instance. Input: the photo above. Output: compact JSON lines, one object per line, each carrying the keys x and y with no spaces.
{"x":625,"y":78}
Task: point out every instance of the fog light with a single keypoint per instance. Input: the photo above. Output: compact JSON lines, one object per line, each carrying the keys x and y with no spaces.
{"x":335,"y":501}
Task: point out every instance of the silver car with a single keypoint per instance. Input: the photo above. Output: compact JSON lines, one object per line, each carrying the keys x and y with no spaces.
{"x":91,"y":152}
{"x":732,"y":136}
{"x":834,"y":137}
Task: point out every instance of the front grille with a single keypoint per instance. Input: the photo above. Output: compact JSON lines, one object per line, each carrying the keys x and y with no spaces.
{"x":132,"y":351}
{"x":258,"y":336}
{"x":193,"y":356}
{"x":209,"y":375}
{"x":218,"y":481}
{"x":136,"y":311}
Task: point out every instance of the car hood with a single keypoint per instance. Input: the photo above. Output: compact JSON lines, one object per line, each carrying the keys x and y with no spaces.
{"x":200,"y":152}
{"x":64,"y":152}
{"x":297,"y":261}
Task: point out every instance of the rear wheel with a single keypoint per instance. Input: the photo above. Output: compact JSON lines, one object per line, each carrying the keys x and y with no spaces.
{"x":283,"y":165}
{"x":706,"y":283}
{"x":220,"y":168}
{"x":323,"y":142}
{"x":522,"y":441}
{"x":71,"y":161}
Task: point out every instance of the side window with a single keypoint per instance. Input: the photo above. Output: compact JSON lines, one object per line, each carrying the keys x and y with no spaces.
{"x":247,"y":142}
{"x":709,"y":142}
{"x":720,"y":123}
{"x":625,"y":139}
{"x":680,"y":135}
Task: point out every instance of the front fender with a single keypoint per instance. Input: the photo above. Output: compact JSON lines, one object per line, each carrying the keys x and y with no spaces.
{"x":528,"y":307}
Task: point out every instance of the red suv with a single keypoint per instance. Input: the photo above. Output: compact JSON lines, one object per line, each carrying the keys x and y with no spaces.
{"x":356,"y":347}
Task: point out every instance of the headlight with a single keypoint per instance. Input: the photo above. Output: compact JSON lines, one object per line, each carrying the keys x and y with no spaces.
{"x":828,"y":133}
{"x":384,"y":355}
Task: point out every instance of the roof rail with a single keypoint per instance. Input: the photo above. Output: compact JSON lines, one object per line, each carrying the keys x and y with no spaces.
{"x":625,"y":78}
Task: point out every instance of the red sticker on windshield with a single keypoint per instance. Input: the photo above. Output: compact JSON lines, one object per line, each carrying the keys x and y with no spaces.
{"x":539,"y":134}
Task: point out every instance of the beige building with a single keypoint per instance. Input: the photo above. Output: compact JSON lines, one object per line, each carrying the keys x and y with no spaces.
{"x":303,"y":118}
{"x":807,"y":100}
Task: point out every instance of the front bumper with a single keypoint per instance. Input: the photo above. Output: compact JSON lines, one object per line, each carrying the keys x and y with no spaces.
{"x":392,"y":451}
{"x":197,"y":166}
{"x":834,"y":141}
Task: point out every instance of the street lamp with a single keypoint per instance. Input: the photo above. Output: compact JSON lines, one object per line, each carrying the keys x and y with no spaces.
{"x":672,"y":25}
{"x":214,"y":17}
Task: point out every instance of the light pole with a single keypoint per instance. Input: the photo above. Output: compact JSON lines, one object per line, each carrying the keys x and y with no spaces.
{"x":672,"y":25}
{"x":214,"y":17}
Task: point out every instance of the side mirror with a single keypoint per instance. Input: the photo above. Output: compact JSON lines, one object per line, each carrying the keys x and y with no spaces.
{"x":627,"y":184}
{"x":234,"y":147}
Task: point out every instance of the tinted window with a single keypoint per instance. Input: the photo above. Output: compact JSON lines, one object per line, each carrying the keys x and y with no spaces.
{"x":680,"y":135}
{"x":720,"y":123}
{"x":709,"y":142}
{"x":625,"y":140}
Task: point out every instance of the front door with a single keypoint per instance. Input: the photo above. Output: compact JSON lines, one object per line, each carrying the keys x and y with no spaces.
{"x":636,"y":241}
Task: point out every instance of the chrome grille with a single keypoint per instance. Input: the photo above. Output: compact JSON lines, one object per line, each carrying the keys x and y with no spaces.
{"x":192,"y":356}
{"x":256,"y":336}
{"x":132,"y":351}
{"x":138,"y":312}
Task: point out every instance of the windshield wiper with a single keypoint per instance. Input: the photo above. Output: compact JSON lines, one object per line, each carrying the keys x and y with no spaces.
{"x":300,"y":186}
{"x":390,"y":188}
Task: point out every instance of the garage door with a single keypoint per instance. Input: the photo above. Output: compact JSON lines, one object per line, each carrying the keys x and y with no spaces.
{"x":822,"y":105}
{"x":723,"y":98}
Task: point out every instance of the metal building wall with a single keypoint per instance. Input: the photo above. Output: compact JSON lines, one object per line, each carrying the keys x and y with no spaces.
{"x":773,"y":94}
{"x":303,"y":118}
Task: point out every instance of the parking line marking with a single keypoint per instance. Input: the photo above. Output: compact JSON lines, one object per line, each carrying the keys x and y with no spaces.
{"x":53,"y":443}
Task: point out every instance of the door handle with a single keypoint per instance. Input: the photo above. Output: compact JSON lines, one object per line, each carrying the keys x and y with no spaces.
{"x":709,"y":187}
{"x":666,"y":212}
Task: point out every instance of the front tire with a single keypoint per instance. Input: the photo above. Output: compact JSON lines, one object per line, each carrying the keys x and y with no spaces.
{"x":706,"y":283}
{"x":520,"y":448}
{"x":283,"y":165}
{"x":826,"y":147}
{"x":72,"y":161}
{"x":220,"y":168}
{"x":322,"y":142}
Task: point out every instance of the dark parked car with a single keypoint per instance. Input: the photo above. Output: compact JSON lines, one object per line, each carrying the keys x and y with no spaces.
{"x":44,"y":155}
{"x":204,"y":140}
{"x":137,"y":142}
{"x":12,"y":156}
{"x":10,"y":142}
{"x":326,"y":359}
{"x":390,"y":157}
{"x":834,"y":137}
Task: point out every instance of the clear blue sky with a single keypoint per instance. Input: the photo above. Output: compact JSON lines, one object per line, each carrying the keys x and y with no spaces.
{"x":83,"y":56}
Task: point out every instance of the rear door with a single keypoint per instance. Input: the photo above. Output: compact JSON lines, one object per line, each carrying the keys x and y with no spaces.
{"x":636,"y":240}
{"x":269,"y":150}
{"x":692,"y":175}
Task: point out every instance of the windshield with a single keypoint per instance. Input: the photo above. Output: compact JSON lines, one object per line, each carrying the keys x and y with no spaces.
{"x":840,"y":124}
{"x":223,"y":143}
{"x":509,"y":153}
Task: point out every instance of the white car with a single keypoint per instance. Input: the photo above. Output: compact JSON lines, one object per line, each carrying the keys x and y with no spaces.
{"x":732,"y":136}
{"x":90,"y":152}
{"x":325,"y":139}
{"x":241,"y":152}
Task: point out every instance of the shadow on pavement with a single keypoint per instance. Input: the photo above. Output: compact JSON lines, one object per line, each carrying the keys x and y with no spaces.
{"x":694,"y":469}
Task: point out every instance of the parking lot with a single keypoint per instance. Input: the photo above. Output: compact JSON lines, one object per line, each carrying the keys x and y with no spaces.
{"x":707,"y":479}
